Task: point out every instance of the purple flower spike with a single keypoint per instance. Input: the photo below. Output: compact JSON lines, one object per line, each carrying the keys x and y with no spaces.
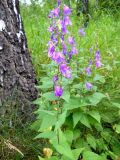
{"x":97,"y":57}
{"x":67,"y":21}
{"x":74,"y":50}
{"x":88,"y":85}
{"x":64,"y":49}
{"x":64,"y":29}
{"x":55,"y":78}
{"x":54,"y":13}
{"x":66,"y":10}
{"x":88,"y":70}
{"x":59,"y":2}
{"x":71,"y":40}
{"x":51,"y":29}
{"x":98,"y":64}
{"x":65,"y":71}
{"x":58,"y":57}
{"x":82,"y":32}
{"x":51,"y":50}
{"x":58,"y":91}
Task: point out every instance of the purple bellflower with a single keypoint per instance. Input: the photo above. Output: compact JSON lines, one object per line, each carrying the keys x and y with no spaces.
{"x":58,"y":91}
{"x":58,"y":50}
{"x":88,"y":85}
{"x":67,"y":21}
{"x":97,"y":58}
{"x":82,"y":32}
{"x":66,"y":11}
{"x":71,"y":40}
{"x":65,"y":71}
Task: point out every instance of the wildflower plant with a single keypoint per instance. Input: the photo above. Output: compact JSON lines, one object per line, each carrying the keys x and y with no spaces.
{"x":68,"y":115}
{"x":61,"y":46}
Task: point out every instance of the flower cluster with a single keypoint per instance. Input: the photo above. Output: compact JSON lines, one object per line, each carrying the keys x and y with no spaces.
{"x":62,"y":45}
{"x":88,"y":70}
{"x":97,"y":58}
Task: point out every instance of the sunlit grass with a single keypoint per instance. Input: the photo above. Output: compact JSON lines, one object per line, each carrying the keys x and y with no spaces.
{"x":103,"y":29}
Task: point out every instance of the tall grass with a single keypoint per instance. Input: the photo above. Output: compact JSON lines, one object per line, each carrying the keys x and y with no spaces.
{"x":103,"y":28}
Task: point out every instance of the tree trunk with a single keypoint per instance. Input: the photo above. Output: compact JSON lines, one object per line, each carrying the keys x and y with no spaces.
{"x":17,"y":78}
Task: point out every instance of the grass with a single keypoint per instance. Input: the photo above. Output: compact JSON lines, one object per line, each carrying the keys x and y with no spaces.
{"x":103,"y":28}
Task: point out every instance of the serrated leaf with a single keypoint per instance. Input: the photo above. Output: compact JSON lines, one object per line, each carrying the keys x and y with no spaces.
{"x":96,"y":98}
{"x":49,"y":134}
{"x":80,"y":116}
{"x":116,"y":105}
{"x":75,"y":102}
{"x":66,"y":96}
{"x":91,"y":141}
{"x":50,"y":96}
{"x":84,"y":120}
{"x":77,"y":152}
{"x":76,"y":134}
{"x":69,"y":136}
{"x":89,"y":155}
{"x":117,"y":128}
{"x":40,"y":158}
{"x":48,"y":119}
{"x":60,"y":120}
{"x":99,"y":78}
{"x":46,"y":85}
{"x":95,"y":115}
{"x":76,"y":117}
{"x":62,"y":146}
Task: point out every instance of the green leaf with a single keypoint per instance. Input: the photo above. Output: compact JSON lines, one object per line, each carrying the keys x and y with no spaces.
{"x":53,"y":158}
{"x":89,"y":155}
{"x":46,"y":85}
{"x":75,"y":102}
{"x":36,"y":125}
{"x":117,"y":128}
{"x":61,"y":119}
{"x":78,"y":86}
{"x":76,"y":118}
{"x":76,"y":134}
{"x":50,"y":96}
{"x":48,"y":119}
{"x":96,"y":98}
{"x":116,"y":105}
{"x":49,"y":135}
{"x":82,"y":117}
{"x":40,"y":158}
{"x":62,"y":147}
{"x":84,"y":120}
{"x":99,"y":78}
{"x":91,"y":141}
{"x":95,"y":115}
{"x":77,"y":152}
{"x":66,"y":96}
{"x":69,"y":136}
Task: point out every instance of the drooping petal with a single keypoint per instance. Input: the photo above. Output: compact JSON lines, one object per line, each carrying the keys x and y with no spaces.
{"x":88,"y":85}
{"x":66,"y":10}
{"x":58,"y":91}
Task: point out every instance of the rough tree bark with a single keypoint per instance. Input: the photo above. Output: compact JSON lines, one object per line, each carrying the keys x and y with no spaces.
{"x":17,"y":78}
